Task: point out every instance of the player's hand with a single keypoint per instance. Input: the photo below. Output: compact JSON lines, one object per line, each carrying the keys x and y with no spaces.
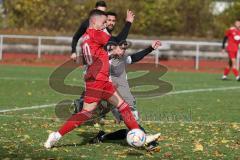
{"x":156,"y":44}
{"x":74,"y":56}
{"x":130,"y":16}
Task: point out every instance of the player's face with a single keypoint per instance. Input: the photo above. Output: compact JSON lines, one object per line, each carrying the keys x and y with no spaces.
{"x":111,"y":21}
{"x":118,"y":51}
{"x":237,"y":24}
{"x":100,"y":22}
{"x":101,"y":8}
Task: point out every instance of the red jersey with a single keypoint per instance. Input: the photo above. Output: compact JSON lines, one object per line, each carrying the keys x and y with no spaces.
{"x":233,"y":35}
{"x":95,"y":56}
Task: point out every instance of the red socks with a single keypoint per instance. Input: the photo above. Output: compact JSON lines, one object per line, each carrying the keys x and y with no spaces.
{"x":226,"y":71}
{"x":127,"y":116}
{"x":235,"y":72}
{"x":75,"y":121}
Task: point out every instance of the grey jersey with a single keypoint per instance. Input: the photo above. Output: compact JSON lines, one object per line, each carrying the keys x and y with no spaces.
{"x":118,"y":76}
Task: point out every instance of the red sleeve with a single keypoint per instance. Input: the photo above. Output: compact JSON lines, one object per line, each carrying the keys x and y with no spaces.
{"x":101,"y":37}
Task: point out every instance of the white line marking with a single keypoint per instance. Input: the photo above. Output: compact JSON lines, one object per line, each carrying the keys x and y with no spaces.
{"x":194,"y":91}
{"x":26,"y":117}
{"x":192,"y":122}
{"x":204,"y":90}
{"x":27,"y":108}
{"x":22,"y":78}
{"x":171,"y":93}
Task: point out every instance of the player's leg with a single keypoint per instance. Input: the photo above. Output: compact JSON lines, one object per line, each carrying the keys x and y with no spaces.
{"x":78,"y":104}
{"x":91,"y":99}
{"x":227,"y":69}
{"x":124,"y":110}
{"x":234,"y":68}
{"x":104,"y":137}
{"x":73,"y":122}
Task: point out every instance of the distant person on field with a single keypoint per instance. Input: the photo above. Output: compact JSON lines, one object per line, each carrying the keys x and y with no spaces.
{"x":232,"y":37}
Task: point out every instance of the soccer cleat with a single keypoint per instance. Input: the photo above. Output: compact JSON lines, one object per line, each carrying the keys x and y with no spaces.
{"x":151,"y":138}
{"x":77,"y":105}
{"x":238,"y":78}
{"x":98,"y":138}
{"x":52,"y":139}
{"x":152,"y":147}
{"x":224,"y":77}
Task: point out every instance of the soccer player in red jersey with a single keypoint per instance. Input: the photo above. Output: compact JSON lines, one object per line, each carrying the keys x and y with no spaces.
{"x":97,"y":81}
{"x":232,"y":36}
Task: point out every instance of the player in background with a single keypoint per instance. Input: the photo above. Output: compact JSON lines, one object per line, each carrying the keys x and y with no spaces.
{"x":100,"y":5}
{"x":232,"y":36}
{"x":111,"y":21}
{"x":97,"y":81}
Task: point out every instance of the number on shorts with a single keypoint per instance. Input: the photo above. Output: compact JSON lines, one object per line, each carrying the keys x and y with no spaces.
{"x":87,"y":54}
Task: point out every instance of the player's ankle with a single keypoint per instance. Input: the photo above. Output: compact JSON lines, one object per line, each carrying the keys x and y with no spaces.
{"x":224,"y":77}
{"x":58,"y":135}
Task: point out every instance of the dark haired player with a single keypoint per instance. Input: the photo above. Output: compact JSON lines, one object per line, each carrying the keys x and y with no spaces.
{"x":100,"y":5}
{"x":97,"y":81}
{"x":111,"y":21}
{"x":232,"y":36}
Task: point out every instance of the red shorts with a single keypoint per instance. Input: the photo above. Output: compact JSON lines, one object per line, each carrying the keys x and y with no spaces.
{"x":232,"y":54}
{"x":98,"y":90}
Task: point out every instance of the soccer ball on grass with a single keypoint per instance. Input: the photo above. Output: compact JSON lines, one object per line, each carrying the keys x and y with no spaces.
{"x":136,"y":138}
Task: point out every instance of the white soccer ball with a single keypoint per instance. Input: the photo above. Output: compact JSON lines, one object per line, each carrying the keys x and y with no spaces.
{"x":136,"y":138}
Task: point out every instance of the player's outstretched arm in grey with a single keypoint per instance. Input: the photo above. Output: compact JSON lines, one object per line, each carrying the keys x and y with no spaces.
{"x":141,"y":54}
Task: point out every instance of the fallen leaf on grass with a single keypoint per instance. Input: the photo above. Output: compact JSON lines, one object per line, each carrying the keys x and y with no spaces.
{"x":198,"y":147}
{"x":217,"y":154}
{"x":224,"y":141}
{"x":168,"y":155}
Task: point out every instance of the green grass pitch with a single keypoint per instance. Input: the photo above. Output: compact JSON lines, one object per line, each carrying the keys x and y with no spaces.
{"x":200,"y":124}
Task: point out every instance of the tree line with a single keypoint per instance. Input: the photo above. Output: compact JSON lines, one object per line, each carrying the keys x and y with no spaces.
{"x":181,"y":18}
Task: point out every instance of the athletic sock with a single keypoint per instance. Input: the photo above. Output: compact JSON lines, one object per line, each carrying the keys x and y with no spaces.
{"x":127,"y":116}
{"x":235,"y":72}
{"x":75,"y":121}
{"x":226,"y":71}
{"x":118,"y":135}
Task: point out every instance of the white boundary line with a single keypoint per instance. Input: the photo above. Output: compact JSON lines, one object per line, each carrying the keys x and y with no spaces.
{"x":171,"y":93}
{"x":194,"y":91}
{"x":22,"y":78}
{"x":191,"y":122}
{"x":204,"y":90}
{"x":27,"y":108}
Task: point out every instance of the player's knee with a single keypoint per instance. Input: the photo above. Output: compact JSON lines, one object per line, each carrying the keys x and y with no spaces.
{"x":115,"y":100}
{"x":89,"y":106}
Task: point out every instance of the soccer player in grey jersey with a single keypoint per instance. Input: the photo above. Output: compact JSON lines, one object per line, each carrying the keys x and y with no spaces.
{"x":119,"y":75}
{"x":119,"y":78}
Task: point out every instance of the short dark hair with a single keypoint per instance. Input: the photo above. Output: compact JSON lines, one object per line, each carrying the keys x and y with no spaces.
{"x":96,"y":12}
{"x":101,"y":4}
{"x":110,"y":13}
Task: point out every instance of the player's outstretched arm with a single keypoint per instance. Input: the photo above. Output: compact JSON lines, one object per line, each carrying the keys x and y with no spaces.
{"x":140,"y":55}
{"x":124,"y":33}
